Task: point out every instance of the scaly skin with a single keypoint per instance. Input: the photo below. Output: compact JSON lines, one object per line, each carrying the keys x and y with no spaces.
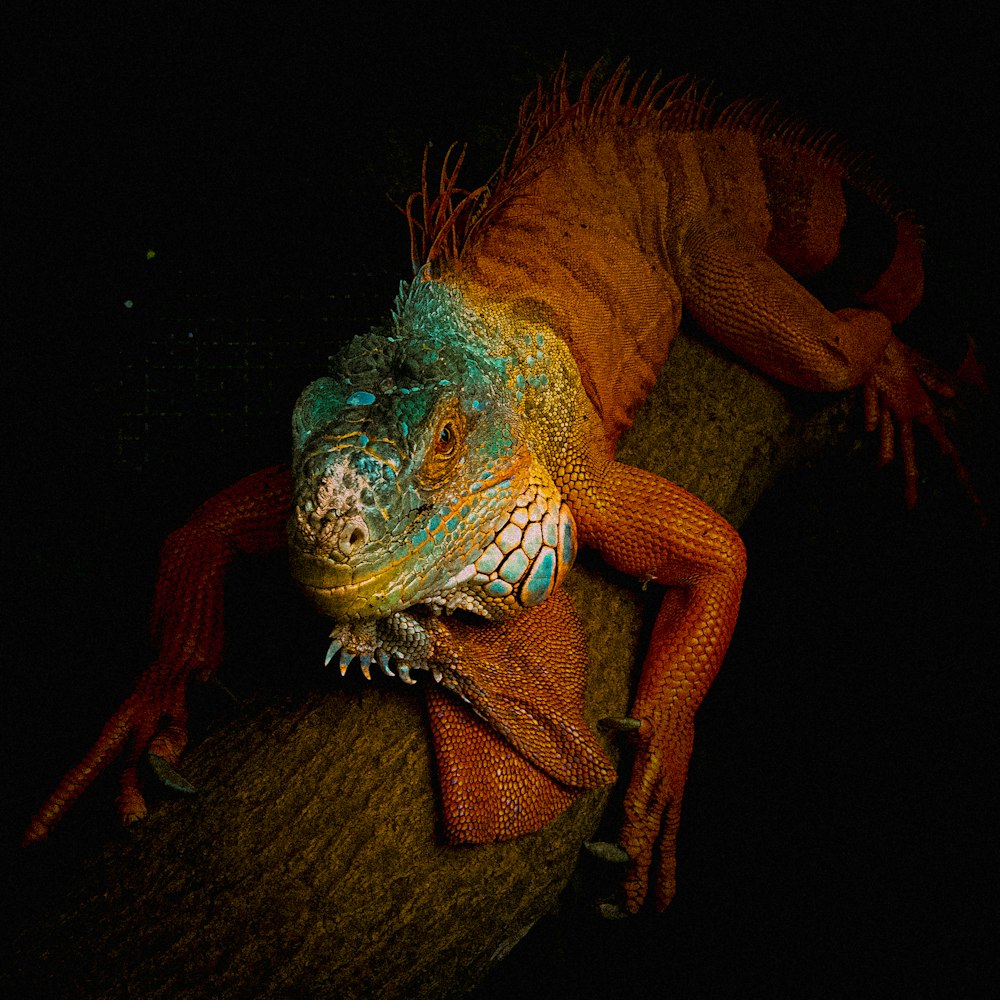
{"x":456,"y":460}
{"x":187,"y":623}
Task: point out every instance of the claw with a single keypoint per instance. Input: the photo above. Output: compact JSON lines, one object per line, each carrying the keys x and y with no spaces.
{"x":383,"y":662}
{"x":131,"y":806}
{"x":222,"y":687}
{"x":971,"y":370}
{"x":614,"y":853}
{"x":365,"y":661}
{"x":332,"y":651}
{"x":168,"y":776}
{"x":622,"y":724}
{"x":404,"y":673}
{"x":611,"y":911}
{"x":346,"y":655}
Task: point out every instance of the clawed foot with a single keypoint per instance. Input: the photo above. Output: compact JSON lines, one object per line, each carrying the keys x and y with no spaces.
{"x":647,"y":845}
{"x":398,"y":641}
{"x":153,"y":722}
{"x":896,"y":393}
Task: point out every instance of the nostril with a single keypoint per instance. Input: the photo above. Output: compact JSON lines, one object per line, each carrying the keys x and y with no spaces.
{"x":353,"y":536}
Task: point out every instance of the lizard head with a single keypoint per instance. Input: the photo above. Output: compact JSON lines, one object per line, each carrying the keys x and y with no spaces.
{"x":415,"y":485}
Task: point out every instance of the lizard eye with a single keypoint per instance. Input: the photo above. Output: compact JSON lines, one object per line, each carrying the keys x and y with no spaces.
{"x":447,"y":436}
{"x":445,"y":448}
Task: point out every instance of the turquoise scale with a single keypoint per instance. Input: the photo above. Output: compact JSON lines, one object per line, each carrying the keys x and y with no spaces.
{"x":514,"y":566}
{"x":532,"y":540}
{"x":497,"y":588}
{"x":540,"y":580}
{"x":567,"y":538}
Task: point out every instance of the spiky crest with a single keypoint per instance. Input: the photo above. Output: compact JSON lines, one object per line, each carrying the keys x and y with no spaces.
{"x":447,"y":220}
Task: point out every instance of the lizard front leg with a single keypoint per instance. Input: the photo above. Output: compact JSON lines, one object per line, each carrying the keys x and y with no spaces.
{"x":647,"y":527}
{"x":249,"y":517}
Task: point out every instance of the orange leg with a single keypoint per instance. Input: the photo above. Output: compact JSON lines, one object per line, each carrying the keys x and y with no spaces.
{"x":249,"y":517}
{"x":652,"y":529}
{"x":749,"y":303}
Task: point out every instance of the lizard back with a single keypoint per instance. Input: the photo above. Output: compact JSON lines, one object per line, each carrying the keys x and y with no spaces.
{"x":584,"y":222}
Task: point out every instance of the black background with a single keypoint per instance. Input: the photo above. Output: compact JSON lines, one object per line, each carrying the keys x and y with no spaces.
{"x":839,"y":821}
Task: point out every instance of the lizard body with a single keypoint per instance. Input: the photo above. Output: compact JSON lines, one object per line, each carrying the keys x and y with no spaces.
{"x":456,"y":460}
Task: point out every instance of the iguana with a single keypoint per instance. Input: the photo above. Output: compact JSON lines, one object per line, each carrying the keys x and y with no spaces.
{"x":446,"y":471}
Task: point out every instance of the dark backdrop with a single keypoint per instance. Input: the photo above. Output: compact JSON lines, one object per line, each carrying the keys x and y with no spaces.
{"x":196,"y":215}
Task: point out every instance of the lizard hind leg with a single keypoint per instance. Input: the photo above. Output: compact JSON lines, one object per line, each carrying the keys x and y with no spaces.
{"x":749,"y":303}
